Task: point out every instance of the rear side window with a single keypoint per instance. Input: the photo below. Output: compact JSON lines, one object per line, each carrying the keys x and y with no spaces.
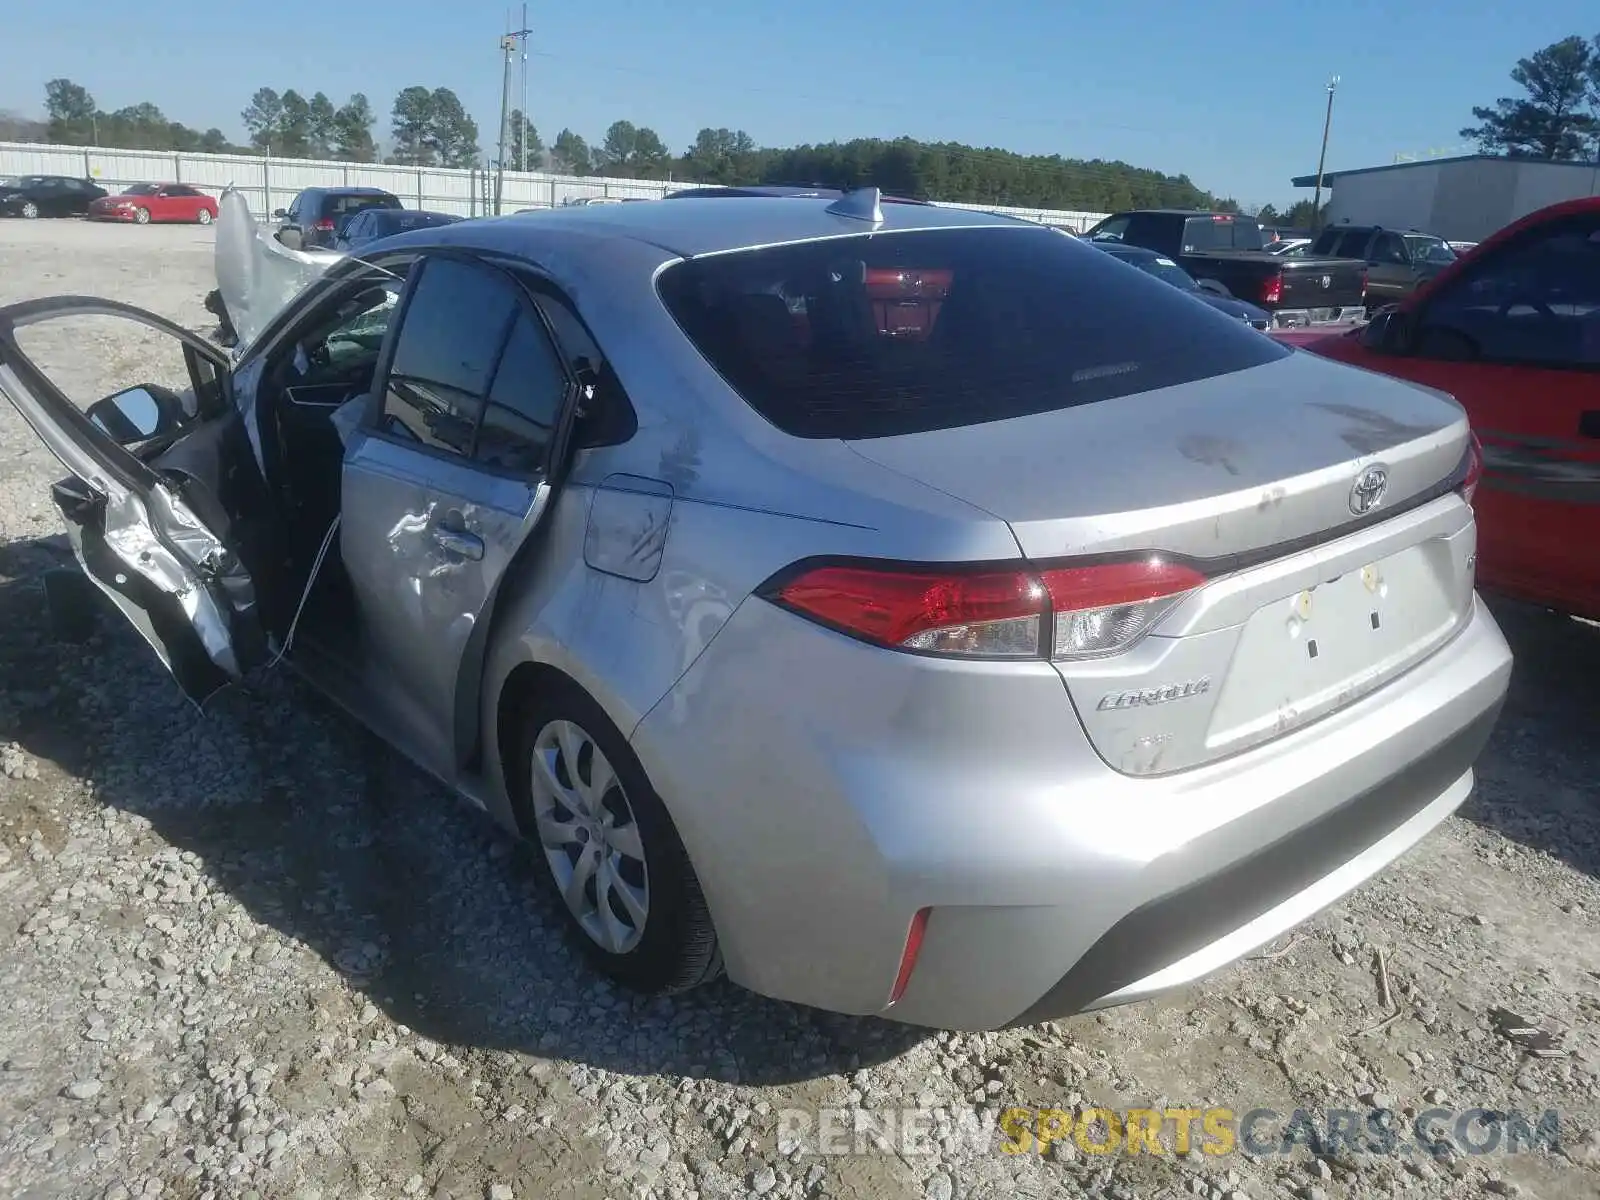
{"x":897,"y":333}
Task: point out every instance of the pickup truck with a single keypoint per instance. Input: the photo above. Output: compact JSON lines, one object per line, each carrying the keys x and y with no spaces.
{"x":1226,"y":249}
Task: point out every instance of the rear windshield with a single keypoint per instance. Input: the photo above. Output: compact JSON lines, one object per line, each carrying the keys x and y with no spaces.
{"x":897,"y":333}
{"x":347,"y":205}
{"x":1220,"y":232}
{"x":400,"y":220}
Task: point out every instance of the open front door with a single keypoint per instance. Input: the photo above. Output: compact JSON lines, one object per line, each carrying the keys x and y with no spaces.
{"x":164,"y":488}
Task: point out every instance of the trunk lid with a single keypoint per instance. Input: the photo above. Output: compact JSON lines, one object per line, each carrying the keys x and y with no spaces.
{"x":1226,"y":466}
{"x":1308,"y":606}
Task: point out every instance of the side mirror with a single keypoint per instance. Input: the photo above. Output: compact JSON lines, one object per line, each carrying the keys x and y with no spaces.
{"x":1214,"y":287}
{"x":137,"y":414}
{"x":1389,"y":332}
{"x":279,"y":214}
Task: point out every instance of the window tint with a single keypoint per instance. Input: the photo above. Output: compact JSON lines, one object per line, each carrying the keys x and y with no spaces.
{"x":454,"y":327}
{"x":345,"y":205}
{"x":1389,"y":250}
{"x":1220,"y":232}
{"x":1535,"y":302}
{"x":1111,"y":229}
{"x":895,"y":333}
{"x":529,"y":387}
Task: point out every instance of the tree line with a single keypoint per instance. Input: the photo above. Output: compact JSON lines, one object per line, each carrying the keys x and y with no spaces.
{"x":431,"y":127}
{"x":1558,"y":115}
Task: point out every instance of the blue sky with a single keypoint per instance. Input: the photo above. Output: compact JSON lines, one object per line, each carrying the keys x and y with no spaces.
{"x":1232,"y":98}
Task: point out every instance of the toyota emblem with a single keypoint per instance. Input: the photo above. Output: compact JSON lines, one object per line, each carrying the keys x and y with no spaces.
{"x":1367,"y":491}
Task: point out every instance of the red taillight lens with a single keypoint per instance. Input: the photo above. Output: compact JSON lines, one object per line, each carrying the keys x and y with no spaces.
{"x":987,"y":613}
{"x":1272,"y":289}
{"x":1469,"y":486}
{"x":1067,"y":612}
{"x":326,"y":225}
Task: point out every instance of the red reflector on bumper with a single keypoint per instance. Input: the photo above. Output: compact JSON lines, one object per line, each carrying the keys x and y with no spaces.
{"x":908,"y":959}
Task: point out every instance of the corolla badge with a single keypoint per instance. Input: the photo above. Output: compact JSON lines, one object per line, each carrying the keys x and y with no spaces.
{"x":1164,"y":694}
{"x":1368,"y":490}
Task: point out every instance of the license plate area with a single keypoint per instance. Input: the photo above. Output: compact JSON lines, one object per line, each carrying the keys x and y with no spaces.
{"x":1318,"y":649}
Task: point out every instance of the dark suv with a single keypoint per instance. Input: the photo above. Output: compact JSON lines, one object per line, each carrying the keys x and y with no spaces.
{"x":315,"y":218}
{"x":1397,"y":259}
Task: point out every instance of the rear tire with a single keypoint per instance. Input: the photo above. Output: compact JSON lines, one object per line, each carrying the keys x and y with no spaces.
{"x":141,"y":216}
{"x":30,"y":210}
{"x":205,"y":216}
{"x":607,"y":847}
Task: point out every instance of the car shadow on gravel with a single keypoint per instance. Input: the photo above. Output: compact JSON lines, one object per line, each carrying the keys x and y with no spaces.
{"x":1536,"y":779}
{"x":329,"y":838}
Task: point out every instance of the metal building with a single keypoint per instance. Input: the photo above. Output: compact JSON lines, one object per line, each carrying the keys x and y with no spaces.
{"x":1461,"y":199}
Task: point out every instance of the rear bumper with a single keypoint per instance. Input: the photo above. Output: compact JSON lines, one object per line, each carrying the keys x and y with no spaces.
{"x":827,"y":792}
{"x":1331,"y":317}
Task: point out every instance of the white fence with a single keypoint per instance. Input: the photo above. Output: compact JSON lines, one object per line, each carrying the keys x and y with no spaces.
{"x":271,"y":183}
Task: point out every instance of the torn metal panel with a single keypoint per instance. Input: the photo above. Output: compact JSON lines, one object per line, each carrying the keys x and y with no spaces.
{"x":257,"y":275}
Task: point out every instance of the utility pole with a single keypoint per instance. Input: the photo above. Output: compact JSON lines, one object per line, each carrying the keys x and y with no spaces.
{"x":1322,"y":159}
{"x":522,"y":134}
{"x":508,"y":48}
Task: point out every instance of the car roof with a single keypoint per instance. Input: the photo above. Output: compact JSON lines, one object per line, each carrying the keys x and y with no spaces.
{"x":350,"y":191}
{"x":784,"y":190}
{"x":689,"y":227}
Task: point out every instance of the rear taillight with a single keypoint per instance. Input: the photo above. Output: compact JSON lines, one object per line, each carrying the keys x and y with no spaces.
{"x":1057,"y":612}
{"x":1474,"y":468}
{"x":1272,"y":289}
{"x":325,"y":225}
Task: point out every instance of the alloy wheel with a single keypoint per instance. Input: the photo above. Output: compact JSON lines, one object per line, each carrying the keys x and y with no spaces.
{"x":205,"y":216}
{"x":30,"y":210}
{"x":590,"y":836}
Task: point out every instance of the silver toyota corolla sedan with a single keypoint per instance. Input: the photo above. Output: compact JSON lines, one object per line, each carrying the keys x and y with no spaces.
{"x":906,"y":610}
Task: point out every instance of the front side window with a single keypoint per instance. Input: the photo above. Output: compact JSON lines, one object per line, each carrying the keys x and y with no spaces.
{"x":1429,"y":251}
{"x":1536,"y":302}
{"x":896,"y":333}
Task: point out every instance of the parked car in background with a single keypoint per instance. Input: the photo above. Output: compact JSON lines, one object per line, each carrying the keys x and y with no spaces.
{"x":1398,"y":260}
{"x":743,"y":599}
{"x":312,"y":221}
{"x":371,"y":224}
{"x":1164,"y":269}
{"x":145,"y":203}
{"x":1227,"y":248}
{"x":1512,"y":331}
{"x":47,"y":196}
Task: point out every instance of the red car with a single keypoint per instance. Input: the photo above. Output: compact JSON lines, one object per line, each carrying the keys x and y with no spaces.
{"x":147,"y":202}
{"x":1512,"y":331}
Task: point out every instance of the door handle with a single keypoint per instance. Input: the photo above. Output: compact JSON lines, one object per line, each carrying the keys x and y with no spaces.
{"x":459,"y":541}
{"x":1589,"y":423}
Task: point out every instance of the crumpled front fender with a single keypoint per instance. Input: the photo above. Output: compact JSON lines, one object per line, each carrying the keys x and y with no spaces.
{"x":257,"y":275}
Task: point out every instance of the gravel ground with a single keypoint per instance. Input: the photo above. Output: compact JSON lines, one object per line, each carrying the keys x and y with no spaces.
{"x":253,"y":954}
